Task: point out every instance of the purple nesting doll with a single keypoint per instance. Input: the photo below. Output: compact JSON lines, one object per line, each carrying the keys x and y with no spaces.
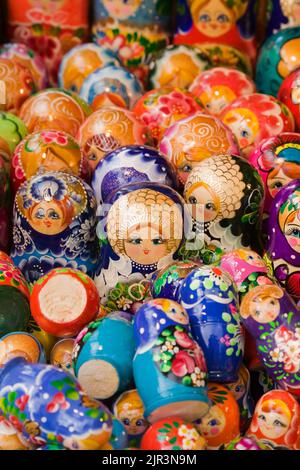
{"x":54,"y":225}
{"x":283,"y":242}
{"x":211,"y":301}
{"x":169,"y":367}
{"x":270,"y":316}
{"x":131,"y":164}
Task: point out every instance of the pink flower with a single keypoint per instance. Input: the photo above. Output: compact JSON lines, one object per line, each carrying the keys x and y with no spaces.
{"x":183,"y":364}
{"x":177,"y":103}
{"x":56,"y":137}
{"x":184,"y":340}
{"x":225,"y":340}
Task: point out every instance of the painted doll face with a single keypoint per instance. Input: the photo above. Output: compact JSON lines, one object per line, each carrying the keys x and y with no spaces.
{"x":121,"y":9}
{"x":213,"y":19}
{"x":264,"y":309}
{"x":48,"y":218}
{"x":133,"y":421}
{"x":217,"y":99}
{"x":213,"y":423}
{"x":244,"y":125}
{"x":205,"y":204}
{"x":145,"y":245}
{"x":238,"y":388}
{"x":176,"y":313}
{"x":255,"y":260}
{"x":292,"y":232}
{"x":277,"y":182}
{"x":273,"y":424}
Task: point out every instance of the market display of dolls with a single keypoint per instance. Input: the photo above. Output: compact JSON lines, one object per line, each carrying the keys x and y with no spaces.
{"x":150,"y":226}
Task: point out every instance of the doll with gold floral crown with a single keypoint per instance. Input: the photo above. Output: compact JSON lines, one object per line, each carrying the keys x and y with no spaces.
{"x":141,"y":233}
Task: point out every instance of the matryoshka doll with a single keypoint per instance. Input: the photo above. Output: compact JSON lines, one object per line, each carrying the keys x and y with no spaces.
{"x":54,"y":225}
{"x":54,"y":109}
{"x":276,"y":421}
{"x":218,"y":87}
{"x":289,"y":94}
{"x":277,"y":160}
{"x":142,"y":232}
{"x":103,"y":354}
{"x":160,"y":108}
{"x":16,"y":85}
{"x":172,"y":434}
{"x":50,"y":27}
{"x":47,"y":151}
{"x":167,"y":282}
{"x":32,"y":392}
{"x":12,"y":132}
{"x":169,"y":367}
{"x":221,"y":423}
{"x":64,"y":301}
{"x":218,"y":21}
{"x":14,"y":297}
{"x":61,"y":354}
{"x":21,"y":344}
{"x":131,"y":164}
{"x":283,"y":240}
{"x":136,"y":30}
{"x":210,"y":298}
{"x":111,"y":79}
{"x":195,"y":138}
{"x":225,"y":196}
{"x":80,"y":62}
{"x":255,"y":117}
{"x":129,"y":409}
{"x":279,"y":56}
{"x":25,"y":56}
{"x":108,"y":129}
{"x":241,"y":392}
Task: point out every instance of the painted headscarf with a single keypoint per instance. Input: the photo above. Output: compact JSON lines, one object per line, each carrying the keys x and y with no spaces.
{"x":239,"y":191}
{"x":277,"y":153}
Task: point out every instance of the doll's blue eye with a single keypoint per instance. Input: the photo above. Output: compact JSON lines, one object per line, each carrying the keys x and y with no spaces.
{"x":139,"y":422}
{"x":210,"y":206}
{"x":238,"y":388}
{"x":157,"y":241}
{"x":205,"y":18}
{"x":192,"y":200}
{"x":53,"y":215}
{"x":135,"y":241}
{"x":40,"y":214}
{"x":126,"y":421}
{"x":213,"y":422}
{"x":244,"y":134}
{"x":223,"y":18}
{"x":187,"y":168}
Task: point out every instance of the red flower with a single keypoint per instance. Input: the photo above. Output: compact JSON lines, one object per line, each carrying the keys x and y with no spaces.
{"x":16,"y":423}
{"x":21,"y":402}
{"x":183,"y":340}
{"x":183,"y":364}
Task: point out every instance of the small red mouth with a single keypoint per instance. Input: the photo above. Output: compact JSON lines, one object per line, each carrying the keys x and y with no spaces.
{"x":146,"y":252}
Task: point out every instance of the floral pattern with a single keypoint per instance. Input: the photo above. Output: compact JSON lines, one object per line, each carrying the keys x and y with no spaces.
{"x":179,"y":436}
{"x":234,"y":338}
{"x":178,"y":356}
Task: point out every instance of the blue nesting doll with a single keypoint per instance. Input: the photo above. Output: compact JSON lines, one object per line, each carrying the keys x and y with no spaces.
{"x":211,"y":301}
{"x":169,"y":367}
{"x":54,"y":225}
{"x":131,"y":164}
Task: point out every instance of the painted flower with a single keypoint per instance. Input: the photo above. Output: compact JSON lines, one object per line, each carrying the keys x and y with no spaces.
{"x":183,"y":339}
{"x":81,"y":335}
{"x":56,"y":137}
{"x":21,"y":402}
{"x":277,"y":355}
{"x":225,"y":340}
{"x":188,"y":444}
{"x":183,"y":431}
{"x":131,"y":51}
{"x":183,"y":364}
{"x":123,"y":303}
{"x":177,"y":103}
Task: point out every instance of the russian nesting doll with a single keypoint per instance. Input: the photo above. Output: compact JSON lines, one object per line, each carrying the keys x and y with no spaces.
{"x":169,"y":367}
{"x":142,"y":232}
{"x":16,"y":85}
{"x":220,"y":425}
{"x":104,"y":351}
{"x":276,"y":421}
{"x":54,"y":109}
{"x":54,"y":225}
{"x":21,"y":344}
{"x":211,"y":301}
{"x":131,"y":164}
{"x":241,"y":392}
{"x":50,"y":27}
{"x":129,"y":409}
{"x":108,"y":129}
{"x":218,"y":87}
{"x":283,"y":232}
{"x":225,"y":196}
{"x":40,"y":401}
{"x":61,"y":354}
{"x":255,"y":117}
{"x":47,"y":151}
{"x":195,"y":138}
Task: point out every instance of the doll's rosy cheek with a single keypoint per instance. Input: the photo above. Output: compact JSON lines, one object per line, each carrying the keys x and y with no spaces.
{"x":293,"y":241}
{"x":214,"y":430}
{"x":244,"y":142}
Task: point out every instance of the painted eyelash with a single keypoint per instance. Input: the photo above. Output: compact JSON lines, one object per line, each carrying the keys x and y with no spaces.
{"x":290,"y":230}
